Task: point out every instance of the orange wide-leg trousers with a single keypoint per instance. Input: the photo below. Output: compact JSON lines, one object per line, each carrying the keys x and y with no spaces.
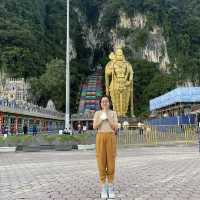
{"x":106,"y":155}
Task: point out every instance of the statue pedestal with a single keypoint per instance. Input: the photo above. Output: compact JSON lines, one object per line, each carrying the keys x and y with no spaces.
{"x":131,"y":120}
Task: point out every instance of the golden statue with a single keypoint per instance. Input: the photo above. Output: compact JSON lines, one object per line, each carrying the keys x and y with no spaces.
{"x":120,"y":88}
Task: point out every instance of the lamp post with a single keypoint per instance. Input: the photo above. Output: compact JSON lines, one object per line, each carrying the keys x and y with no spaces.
{"x":67,"y":111}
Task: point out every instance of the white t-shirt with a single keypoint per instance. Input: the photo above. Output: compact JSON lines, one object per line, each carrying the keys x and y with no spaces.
{"x":104,"y":125}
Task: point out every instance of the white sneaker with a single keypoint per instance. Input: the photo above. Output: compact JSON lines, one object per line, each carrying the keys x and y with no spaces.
{"x":104,"y":193}
{"x":111,"y":192}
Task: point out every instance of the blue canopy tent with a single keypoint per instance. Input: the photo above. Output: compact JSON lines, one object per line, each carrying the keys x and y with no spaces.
{"x":178,"y":95}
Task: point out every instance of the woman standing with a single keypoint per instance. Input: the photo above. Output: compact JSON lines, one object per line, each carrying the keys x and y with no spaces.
{"x":106,"y":123}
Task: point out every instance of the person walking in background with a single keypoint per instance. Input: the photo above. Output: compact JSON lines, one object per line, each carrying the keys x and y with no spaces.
{"x":2,"y":129}
{"x":79,"y":128}
{"x":84,"y":128}
{"x":106,"y":123}
{"x":25,"y":129}
{"x":34,"y":129}
{"x":6,"y":130}
{"x":141,"y":127}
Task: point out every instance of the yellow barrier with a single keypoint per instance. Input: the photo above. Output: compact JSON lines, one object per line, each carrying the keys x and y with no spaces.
{"x":157,"y":135}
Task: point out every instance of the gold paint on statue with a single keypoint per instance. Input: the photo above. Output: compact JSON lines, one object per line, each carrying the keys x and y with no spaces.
{"x":119,"y":82}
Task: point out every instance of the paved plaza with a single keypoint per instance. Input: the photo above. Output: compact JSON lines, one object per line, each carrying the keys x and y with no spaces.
{"x":165,"y":173}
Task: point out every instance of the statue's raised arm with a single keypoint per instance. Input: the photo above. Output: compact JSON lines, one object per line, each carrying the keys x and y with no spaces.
{"x":109,"y":71}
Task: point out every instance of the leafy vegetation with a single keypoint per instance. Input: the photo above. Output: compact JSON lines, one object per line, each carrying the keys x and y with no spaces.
{"x":32,"y":44}
{"x":15,"y":140}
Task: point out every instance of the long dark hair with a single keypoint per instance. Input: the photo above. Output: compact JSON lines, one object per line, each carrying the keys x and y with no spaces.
{"x":110,"y":102}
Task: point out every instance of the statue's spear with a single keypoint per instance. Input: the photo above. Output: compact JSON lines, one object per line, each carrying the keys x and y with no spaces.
{"x":132,"y":105}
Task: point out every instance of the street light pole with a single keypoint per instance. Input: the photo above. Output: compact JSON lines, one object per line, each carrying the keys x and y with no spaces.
{"x":67,"y":111}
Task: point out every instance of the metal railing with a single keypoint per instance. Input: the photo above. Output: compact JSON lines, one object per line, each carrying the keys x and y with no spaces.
{"x":158,"y":135}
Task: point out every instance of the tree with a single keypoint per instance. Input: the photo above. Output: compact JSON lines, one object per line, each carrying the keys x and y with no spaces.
{"x":51,"y":84}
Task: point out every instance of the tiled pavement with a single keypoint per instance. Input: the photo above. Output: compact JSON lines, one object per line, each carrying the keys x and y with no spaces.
{"x":165,"y":173}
